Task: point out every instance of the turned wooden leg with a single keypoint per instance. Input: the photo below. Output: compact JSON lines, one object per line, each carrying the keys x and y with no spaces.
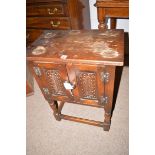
{"x":109,"y":89}
{"x":101,"y":19}
{"x":107,"y":121}
{"x":102,"y":25}
{"x":54,"y":106}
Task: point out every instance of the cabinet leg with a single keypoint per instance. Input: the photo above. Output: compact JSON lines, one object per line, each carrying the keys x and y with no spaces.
{"x":109,"y":89}
{"x":102,"y":25}
{"x":107,"y":121}
{"x":54,"y":106}
{"x":113,"y":23}
{"x":102,"y":19}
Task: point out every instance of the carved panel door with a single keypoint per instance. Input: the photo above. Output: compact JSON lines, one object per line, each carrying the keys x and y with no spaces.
{"x":54,"y":76}
{"x":89,"y":84}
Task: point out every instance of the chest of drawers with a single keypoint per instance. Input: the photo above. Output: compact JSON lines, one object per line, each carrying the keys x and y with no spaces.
{"x":55,"y":15}
{"x":77,"y":66}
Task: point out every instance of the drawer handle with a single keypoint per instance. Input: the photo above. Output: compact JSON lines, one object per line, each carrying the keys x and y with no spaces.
{"x":55,"y":24}
{"x":50,"y":12}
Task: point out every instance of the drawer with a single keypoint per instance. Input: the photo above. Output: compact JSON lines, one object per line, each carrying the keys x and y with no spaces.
{"x":52,"y":10}
{"x":32,"y":35}
{"x":48,"y":23}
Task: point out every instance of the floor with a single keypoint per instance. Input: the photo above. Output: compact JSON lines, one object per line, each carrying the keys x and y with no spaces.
{"x":46,"y":136}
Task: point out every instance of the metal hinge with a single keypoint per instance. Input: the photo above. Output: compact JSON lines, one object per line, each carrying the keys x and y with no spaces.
{"x":37,"y":71}
{"x":46,"y":91}
{"x":104,"y":100}
{"x":105,"y":76}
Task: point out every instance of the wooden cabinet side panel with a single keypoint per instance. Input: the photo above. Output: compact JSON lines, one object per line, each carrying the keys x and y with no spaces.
{"x":40,"y":81}
{"x":85,"y":15}
{"x":109,"y":88}
{"x":79,"y":14}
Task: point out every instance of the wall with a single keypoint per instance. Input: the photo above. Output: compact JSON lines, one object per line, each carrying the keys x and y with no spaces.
{"x":121,"y":23}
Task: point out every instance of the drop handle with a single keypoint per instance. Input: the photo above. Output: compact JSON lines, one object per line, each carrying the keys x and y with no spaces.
{"x":69,"y":86}
{"x":50,"y":12}
{"x":55,"y":24}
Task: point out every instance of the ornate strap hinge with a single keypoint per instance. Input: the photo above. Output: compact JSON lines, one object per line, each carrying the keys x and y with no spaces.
{"x":46,"y":91}
{"x":105,"y":76}
{"x":104,"y":100}
{"x":37,"y":71}
{"x":47,"y":94}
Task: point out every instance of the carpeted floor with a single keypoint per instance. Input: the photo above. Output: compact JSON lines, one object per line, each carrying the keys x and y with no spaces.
{"x":46,"y":136}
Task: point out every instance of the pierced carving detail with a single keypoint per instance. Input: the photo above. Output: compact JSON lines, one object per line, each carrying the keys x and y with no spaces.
{"x":55,"y":83}
{"x":87,"y":85}
{"x":46,"y":91}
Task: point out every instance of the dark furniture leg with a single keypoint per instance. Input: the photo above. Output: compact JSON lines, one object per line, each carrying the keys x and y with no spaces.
{"x":109,"y":89}
{"x":107,"y":121}
{"x":113,"y":23}
{"x":102,"y":19}
{"x":54,"y":106}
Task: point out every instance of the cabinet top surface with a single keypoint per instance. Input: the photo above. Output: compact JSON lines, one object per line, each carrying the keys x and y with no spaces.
{"x":79,"y":46}
{"x":112,"y":0}
{"x":112,"y":3}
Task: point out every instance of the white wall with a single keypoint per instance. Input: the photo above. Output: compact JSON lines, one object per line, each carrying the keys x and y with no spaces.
{"x":121,"y":23}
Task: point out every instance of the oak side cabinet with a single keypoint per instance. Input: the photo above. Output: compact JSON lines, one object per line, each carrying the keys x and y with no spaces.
{"x":77,"y":66}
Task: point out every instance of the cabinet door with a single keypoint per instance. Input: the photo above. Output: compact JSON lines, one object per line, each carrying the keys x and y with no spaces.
{"x":53,"y":77}
{"x":89,"y":84}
